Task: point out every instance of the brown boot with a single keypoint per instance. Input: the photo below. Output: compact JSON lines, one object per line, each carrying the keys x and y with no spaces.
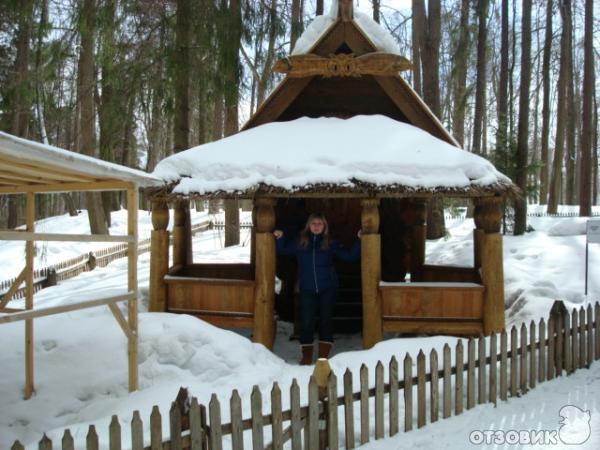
{"x":307,"y":354}
{"x":324,"y":349}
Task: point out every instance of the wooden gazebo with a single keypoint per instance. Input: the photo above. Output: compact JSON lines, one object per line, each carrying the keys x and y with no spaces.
{"x":31,"y":168}
{"x":344,"y":75}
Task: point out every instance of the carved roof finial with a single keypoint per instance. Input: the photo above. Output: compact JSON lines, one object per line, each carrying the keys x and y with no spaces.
{"x":346,"y":10}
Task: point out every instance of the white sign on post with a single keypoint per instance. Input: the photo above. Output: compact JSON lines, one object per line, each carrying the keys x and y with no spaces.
{"x":593,"y":231}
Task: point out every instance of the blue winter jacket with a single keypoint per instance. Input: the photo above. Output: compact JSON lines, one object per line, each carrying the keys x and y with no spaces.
{"x":316,"y":265}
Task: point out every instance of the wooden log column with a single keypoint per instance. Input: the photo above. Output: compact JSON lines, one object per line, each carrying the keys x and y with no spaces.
{"x":181,"y":234}
{"x":418,"y":240}
{"x":159,"y":256}
{"x":371,"y":273}
{"x":132,"y":286}
{"x":29,"y":289}
{"x":488,"y":216}
{"x":264,"y":294}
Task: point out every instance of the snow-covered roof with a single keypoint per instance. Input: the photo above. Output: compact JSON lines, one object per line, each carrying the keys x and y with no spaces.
{"x":379,"y":36}
{"x":26,"y":163}
{"x":359,"y":154}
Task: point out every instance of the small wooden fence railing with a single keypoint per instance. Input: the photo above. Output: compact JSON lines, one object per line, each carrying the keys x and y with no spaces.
{"x":70,"y":268}
{"x":526,"y":357}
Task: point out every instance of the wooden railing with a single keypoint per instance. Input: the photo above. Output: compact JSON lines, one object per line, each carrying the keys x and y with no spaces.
{"x":517,"y":362}
{"x":70,"y":268}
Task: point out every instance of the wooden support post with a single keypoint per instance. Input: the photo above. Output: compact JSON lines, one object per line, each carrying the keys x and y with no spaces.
{"x":371,"y":273}
{"x":478,"y":234}
{"x":419,"y":236}
{"x":181,"y":233}
{"x":132,"y":286}
{"x":264,"y":294}
{"x":488,"y":215}
{"x":29,"y":259}
{"x":159,"y":256}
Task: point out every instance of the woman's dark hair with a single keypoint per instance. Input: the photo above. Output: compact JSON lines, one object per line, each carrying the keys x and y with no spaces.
{"x":305,"y":233}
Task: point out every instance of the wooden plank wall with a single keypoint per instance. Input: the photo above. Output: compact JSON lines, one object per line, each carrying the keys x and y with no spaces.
{"x":442,"y":386}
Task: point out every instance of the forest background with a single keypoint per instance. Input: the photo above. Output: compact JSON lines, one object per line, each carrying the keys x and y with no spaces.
{"x":132,"y":81}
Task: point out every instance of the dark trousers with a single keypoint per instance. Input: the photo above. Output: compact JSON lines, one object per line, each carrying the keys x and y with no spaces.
{"x":313,"y":304}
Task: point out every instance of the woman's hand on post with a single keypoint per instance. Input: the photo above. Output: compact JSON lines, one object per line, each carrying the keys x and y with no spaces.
{"x":278,"y":234}
{"x":359,"y":234}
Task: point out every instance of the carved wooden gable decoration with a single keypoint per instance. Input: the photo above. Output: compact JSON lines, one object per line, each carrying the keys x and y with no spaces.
{"x":345,"y":75}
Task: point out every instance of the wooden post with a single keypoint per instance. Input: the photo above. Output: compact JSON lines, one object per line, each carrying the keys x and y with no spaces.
{"x":264,"y":294}
{"x":29,"y":259}
{"x":159,"y":256}
{"x":371,"y":273}
{"x":181,"y":233}
{"x":419,"y":236}
{"x":132,"y":286}
{"x":488,"y":216}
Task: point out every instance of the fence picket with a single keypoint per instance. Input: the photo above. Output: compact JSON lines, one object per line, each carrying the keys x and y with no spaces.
{"x":348,"y":409}
{"x":258,"y":439}
{"x":458,"y":380}
{"x":434,"y":386}
{"x":408,"y":393}
{"x":597,"y":329}
{"x":542,"y":352}
{"x":332,"y":415}
{"x":155,"y":429}
{"x":137,"y":431}
{"x":470,"y":373}
{"x":276,"y":418}
{"x":447,"y":385}
{"x":296,"y":424}
{"x":175,"y":427}
{"x":514,"y":358}
{"x":196,"y":431}
{"x":532,"y":356}
{"x":67,"y":441}
{"x":590,"y":336}
{"x":312,"y":437}
{"x":237,"y":430}
{"x":567,"y":348}
{"x":493,"y":369}
{"x":114,"y":434}
{"x":421,"y":379}
{"x":379,"y":400}
{"x":91,"y":440}
{"x":582,"y":338}
{"x":17,"y":446}
{"x":550,"y":359}
{"x":214,"y":413}
{"x":481,"y":377}
{"x":558,"y":344}
{"x":45,"y":443}
{"x":575,"y":340}
{"x":393,"y":398}
{"x":523,"y":359}
{"x":364,"y":404}
{"x":503,"y":365}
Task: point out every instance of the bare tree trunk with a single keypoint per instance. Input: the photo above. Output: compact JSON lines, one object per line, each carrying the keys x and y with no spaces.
{"x":482,"y":10}
{"x":319,"y":7}
{"x":502,"y":132}
{"x":418,"y":30}
{"x":545,"y":160}
{"x":96,"y":216}
{"x":376,"y":8}
{"x":461,"y":55}
{"x":571,"y":149}
{"x":561,"y":109}
{"x":182,"y":76}
{"x":523,"y":131}
{"x":296,"y":28}
{"x":263,"y":83}
{"x":585,"y":177}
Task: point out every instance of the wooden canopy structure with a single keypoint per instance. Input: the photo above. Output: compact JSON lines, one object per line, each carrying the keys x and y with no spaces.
{"x":31,"y":168}
{"x":343,"y":75}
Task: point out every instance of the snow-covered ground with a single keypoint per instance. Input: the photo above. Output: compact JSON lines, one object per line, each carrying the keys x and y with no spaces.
{"x":81,"y":364}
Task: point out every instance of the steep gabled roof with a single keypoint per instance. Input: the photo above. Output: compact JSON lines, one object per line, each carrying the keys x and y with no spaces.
{"x":344,"y":37}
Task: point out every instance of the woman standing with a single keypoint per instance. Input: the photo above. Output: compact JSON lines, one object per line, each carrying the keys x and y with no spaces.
{"x":316,"y":255}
